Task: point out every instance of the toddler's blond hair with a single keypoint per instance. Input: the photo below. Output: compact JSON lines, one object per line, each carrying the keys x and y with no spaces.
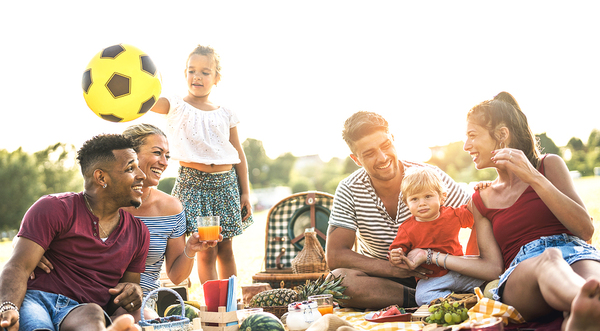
{"x":420,"y":179}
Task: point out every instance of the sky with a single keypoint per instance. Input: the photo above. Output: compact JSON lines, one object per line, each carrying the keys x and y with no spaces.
{"x":293,"y":71}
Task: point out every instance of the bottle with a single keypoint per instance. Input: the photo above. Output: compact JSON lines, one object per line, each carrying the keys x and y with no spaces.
{"x":301,"y":315}
{"x":311,"y":258}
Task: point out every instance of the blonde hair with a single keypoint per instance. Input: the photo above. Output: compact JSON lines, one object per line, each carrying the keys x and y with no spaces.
{"x":210,"y":53}
{"x":139,"y":132}
{"x":421,"y":179}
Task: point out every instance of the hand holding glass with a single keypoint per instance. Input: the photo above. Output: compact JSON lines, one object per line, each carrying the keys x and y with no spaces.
{"x":324,"y":303}
{"x":208,"y":228}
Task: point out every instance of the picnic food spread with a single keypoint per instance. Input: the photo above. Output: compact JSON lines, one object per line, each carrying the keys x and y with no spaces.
{"x":284,"y":296}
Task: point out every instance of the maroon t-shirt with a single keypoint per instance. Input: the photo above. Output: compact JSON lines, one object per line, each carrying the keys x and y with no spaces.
{"x":526,"y":220}
{"x":85,"y":267}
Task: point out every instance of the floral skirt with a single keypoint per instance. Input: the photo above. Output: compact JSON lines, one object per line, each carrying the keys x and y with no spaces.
{"x":207,"y":194}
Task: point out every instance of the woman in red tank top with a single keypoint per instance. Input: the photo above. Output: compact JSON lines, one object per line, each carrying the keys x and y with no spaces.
{"x":532,"y":226}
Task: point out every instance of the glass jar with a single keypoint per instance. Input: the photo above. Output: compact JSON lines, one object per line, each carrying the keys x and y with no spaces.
{"x":301,"y":315}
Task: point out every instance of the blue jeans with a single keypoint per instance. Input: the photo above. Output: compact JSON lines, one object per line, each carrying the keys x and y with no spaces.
{"x":46,"y":311}
{"x":438,"y":287}
{"x":573,"y":249}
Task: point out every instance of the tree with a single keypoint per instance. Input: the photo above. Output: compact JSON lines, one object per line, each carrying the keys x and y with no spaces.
{"x":350,"y":166}
{"x":454,"y":161}
{"x":25,"y":178}
{"x":280,"y":169}
{"x":576,"y":144}
{"x":594,"y":139}
{"x":547,"y":145}
{"x":19,"y":189}
{"x":258,"y":162}
{"x":59,"y":173}
{"x":166,"y":184}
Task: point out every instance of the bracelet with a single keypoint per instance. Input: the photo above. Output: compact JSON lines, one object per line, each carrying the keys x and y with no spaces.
{"x":436,"y":259}
{"x":8,"y":303}
{"x":184,"y":253}
{"x":445,"y":260}
{"x":429,"y":253}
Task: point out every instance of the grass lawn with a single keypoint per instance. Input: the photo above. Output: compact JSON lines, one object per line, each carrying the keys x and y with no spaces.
{"x":249,"y":248}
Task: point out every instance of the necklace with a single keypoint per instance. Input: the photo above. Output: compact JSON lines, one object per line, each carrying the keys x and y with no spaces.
{"x":87,"y":203}
{"x":146,"y":198}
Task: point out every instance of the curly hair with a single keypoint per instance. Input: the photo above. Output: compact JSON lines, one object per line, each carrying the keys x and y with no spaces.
{"x":504,"y":111}
{"x":210,"y":53}
{"x":139,"y":132}
{"x":100,"y":149}
{"x":361,"y":124}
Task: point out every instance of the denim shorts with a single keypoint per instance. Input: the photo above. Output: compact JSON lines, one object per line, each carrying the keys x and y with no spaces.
{"x":573,"y":249}
{"x":46,"y":311}
{"x":438,"y":287}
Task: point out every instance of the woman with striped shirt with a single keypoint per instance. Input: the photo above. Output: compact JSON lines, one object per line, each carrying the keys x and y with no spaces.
{"x":164,"y":216}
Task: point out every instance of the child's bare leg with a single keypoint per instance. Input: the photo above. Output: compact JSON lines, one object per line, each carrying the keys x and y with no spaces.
{"x":124,"y":323}
{"x":207,"y":268}
{"x":585,"y":309}
{"x":225,"y":259}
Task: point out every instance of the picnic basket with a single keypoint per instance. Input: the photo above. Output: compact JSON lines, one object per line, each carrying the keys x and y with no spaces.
{"x":285,"y":236}
{"x":170,"y":323}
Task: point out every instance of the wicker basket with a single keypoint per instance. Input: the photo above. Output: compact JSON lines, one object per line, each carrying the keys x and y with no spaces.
{"x":311,"y":258}
{"x":171,"y":323}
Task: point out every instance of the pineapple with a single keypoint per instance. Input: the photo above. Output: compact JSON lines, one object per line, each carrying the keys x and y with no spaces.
{"x":285,"y":296}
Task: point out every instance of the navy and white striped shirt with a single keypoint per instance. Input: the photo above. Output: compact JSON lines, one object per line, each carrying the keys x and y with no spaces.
{"x":357,"y":207}
{"x":162,"y":228}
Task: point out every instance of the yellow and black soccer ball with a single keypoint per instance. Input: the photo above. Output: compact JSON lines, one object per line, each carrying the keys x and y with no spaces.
{"x":121,"y":83}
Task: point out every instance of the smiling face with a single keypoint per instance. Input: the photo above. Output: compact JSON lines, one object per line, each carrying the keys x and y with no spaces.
{"x":126,"y":179}
{"x":425,"y":205}
{"x":376,"y":153}
{"x":153,"y":158}
{"x":479,"y":144}
{"x":201,"y":75}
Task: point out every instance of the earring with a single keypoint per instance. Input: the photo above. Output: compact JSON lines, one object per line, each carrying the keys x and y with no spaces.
{"x":104,"y":186}
{"x":502,"y":145}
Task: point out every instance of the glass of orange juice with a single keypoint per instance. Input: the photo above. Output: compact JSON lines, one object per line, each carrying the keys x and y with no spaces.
{"x":208,"y":227}
{"x":324,"y":303}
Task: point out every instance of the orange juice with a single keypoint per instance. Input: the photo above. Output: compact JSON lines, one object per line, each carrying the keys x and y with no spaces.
{"x":325,"y":310}
{"x":208,"y":233}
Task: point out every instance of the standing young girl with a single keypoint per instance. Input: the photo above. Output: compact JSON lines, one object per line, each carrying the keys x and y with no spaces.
{"x":213,"y":172}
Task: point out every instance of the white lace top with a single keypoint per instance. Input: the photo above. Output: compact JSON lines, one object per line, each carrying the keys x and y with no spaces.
{"x":200,"y":136}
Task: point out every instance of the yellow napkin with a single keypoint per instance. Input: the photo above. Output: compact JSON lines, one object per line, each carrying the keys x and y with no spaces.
{"x":485,"y":308}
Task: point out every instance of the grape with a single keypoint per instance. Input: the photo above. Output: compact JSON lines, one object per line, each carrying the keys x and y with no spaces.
{"x":447,"y":313}
{"x":448,"y":318}
{"x":464,"y":316}
{"x":456,"y":318}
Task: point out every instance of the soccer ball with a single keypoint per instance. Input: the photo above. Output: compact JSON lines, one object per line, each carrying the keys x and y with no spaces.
{"x":121,"y":83}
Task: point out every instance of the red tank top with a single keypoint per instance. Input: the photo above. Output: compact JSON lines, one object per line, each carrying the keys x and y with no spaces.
{"x":526,"y":220}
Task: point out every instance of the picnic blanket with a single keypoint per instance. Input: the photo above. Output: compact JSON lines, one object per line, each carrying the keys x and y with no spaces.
{"x":357,"y":319}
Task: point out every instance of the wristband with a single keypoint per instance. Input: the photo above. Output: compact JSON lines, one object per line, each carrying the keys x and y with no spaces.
{"x":7,"y":305}
{"x":445,"y":260}
{"x":184,"y":253}
{"x":436,"y":259}
{"x":429,"y":253}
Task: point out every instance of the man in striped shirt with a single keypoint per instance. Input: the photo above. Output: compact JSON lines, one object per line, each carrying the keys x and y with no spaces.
{"x":367,"y":210}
